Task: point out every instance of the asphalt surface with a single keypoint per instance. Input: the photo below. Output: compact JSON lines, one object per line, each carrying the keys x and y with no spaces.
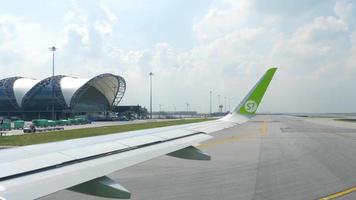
{"x":270,"y":157}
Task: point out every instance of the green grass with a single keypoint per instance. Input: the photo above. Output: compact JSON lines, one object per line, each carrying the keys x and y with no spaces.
{"x":37,"y":138}
{"x":346,"y":120}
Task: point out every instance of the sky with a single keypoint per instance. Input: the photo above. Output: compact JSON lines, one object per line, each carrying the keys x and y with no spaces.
{"x":192,"y":47}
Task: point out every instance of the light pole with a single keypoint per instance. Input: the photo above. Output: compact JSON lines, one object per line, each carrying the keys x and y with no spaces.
{"x":225,"y":104}
{"x":53,"y":49}
{"x":219,"y":102}
{"x":229,"y":104}
{"x":150,"y":74}
{"x":211,"y":102}
{"x":160,"y":111}
{"x":175,"y":111}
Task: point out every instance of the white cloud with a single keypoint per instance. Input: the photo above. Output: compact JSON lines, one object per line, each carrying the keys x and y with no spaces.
{"x":345,"y":9}
{"x":236,"y":42}
{"x":20,"y":41}
{"x":219,"y":21}
{"x":313,"y":45}
{"x":8,"y":28}
{"x":316,"y":53}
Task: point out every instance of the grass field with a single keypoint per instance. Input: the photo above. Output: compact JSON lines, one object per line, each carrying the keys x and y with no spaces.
{"x":37,"y":138}
{"x":346,"y":120}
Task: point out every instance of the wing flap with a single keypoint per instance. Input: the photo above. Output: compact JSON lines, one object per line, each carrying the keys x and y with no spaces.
{"x":212,"y":127}
{"x":190,"y":153}
{"x":102,"y":187}
{"x":71,"y":153}
{"x":96,"y":149}
{"x":20,"y":166}
{"x":26,"y":187}
{"x":167,"y":135}
{"x":140,"y":140}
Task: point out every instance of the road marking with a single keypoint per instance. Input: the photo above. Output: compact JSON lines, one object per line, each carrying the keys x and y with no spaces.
{"x":339,"y":194}
{"x":264,"y":129}
{"x":224,"y":140}
{"x":263,"y":132}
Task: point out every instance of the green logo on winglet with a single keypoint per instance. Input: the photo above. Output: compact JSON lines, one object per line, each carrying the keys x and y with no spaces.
{"x":250,"y":106}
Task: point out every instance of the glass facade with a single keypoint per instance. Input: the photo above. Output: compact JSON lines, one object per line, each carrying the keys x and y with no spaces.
{"x":7,"y":98}
{"x":91,"y":100}
{"x":87,"y":95}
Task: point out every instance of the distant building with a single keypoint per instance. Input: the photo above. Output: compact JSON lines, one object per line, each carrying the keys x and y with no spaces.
{"x":175,"y":114}
{"x":130,"y":111}
{"x":30,"y":98}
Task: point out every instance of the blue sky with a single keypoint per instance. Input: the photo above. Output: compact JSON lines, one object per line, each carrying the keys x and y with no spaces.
{"x":192,"y":47}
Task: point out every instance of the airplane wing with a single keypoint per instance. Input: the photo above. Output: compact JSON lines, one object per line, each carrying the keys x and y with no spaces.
{"x":81,"y":165}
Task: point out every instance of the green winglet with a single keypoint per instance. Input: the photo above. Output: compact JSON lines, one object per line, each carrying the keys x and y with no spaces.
{"x":250,"y":103}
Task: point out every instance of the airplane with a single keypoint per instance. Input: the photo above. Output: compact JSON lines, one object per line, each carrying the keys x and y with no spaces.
{"x":82,"y":165}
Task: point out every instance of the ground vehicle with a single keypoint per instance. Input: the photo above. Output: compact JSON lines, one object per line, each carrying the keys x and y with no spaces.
{"x":122,"y":118}
{"x":29,"y":128}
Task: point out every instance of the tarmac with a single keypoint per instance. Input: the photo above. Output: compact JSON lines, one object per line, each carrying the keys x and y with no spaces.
{"x":270,"y":157}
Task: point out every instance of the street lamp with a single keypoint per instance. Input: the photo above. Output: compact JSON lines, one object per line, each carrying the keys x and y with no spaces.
{"x":225,"y":104}
{"x":53,"y":49}
{"x":150,"y":74}
{"x":219,"y":103}
{"x":210,"y":102}
{"x":229,"y":104}
{"x":160,"y":111}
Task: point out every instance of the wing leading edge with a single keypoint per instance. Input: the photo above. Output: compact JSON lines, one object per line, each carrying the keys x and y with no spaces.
{"x":81,"y":165}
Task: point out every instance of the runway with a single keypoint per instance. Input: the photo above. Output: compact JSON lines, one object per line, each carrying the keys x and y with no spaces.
{"x":270,"y":157}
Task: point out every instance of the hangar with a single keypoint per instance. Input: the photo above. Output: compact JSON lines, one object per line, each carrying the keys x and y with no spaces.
{"x":29,"y":98}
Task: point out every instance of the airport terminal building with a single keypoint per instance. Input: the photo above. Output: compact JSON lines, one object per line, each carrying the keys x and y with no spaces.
{"x":28,"y":98}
